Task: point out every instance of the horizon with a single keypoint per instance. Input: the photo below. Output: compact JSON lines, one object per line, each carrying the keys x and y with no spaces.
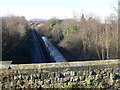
{"x":57,"y":8}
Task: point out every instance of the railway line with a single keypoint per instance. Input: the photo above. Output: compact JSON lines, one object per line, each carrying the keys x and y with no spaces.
{"x":44,"y":51}
{"x":39,"y":53}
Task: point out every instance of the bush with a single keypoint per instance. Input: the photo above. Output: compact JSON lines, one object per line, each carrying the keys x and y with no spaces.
{"x":94,"y":40}
{"x":69,"y":26}
{"x":87,"y":39}
{"x":14,"y":35}
{"x":51,"y":29}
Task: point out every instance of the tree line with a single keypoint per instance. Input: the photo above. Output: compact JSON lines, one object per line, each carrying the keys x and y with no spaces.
{"x":86,"y":38}
{"x":16,"y":39}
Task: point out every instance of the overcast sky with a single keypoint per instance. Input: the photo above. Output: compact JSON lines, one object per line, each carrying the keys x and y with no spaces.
{"x":45,"y":9}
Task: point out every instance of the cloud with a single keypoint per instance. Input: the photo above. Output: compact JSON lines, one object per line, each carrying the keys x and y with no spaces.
{"x":48,"y":12}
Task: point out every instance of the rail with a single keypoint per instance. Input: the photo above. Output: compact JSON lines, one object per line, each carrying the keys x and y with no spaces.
{"x":40,"y":54}
{"x":45,"y":52}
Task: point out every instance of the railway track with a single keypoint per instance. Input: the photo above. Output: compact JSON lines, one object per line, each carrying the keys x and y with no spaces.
{"x":39,"y":53}
{"x":44,"y":51}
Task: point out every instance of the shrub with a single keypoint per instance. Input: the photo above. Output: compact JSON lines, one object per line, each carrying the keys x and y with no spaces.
{"x":87,"y":39}
{"x":14,"y":35}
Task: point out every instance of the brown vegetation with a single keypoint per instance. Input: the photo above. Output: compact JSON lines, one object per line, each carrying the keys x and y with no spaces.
{"x":86,"y":39}
{"x":14,"y":39}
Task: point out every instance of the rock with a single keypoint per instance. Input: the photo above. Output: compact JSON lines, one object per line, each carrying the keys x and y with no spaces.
{"x":1,"y":78}
{"x":5,"y":79}
{"x":9,"y":67}
{"x":85,"y":73}
{"x":111,"y":82}
{"x":53,"y":74}
{"x":11,"y":77}
{"x":72,"y":73}
{"x":52,"y":81}
{"x":67,"y":79}
{"x":100,"y":85}
{"x":0,"y":86}
{"x":111,"y":76}
{"x":60,"y":75}
{"x":117,"y":85}
{"x":98,"y":77}
{"x":58,"y":80}
{"x":71,"y":79}
{"x":93,"y":77}
{"x":88,"y":80}
{"x":44,"y":75}
{"x":76,"y":79}
{"x":92,"y":72}
{"x":61,"y":80}
{"x":69,"y":73}
{"x":82,"y":78}
{"x":19,"y":76}
{"x":48,"y":81}
{"x":41,"y":82}
{"x":6,"y":85}
{"x":116,"y":76}
{"x":11,"y":84}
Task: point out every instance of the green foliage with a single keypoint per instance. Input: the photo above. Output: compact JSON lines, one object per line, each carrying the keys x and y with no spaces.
{"x":52,"y":25}
{"x":57,"y":33}
{"x":69,"y":27}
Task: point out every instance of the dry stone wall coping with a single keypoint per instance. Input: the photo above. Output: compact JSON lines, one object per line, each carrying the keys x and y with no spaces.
{"x":65,"y":64}
{"x":84,"y":74}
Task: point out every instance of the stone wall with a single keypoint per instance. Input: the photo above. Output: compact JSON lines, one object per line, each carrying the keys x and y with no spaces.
{"x":88,"y":74}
